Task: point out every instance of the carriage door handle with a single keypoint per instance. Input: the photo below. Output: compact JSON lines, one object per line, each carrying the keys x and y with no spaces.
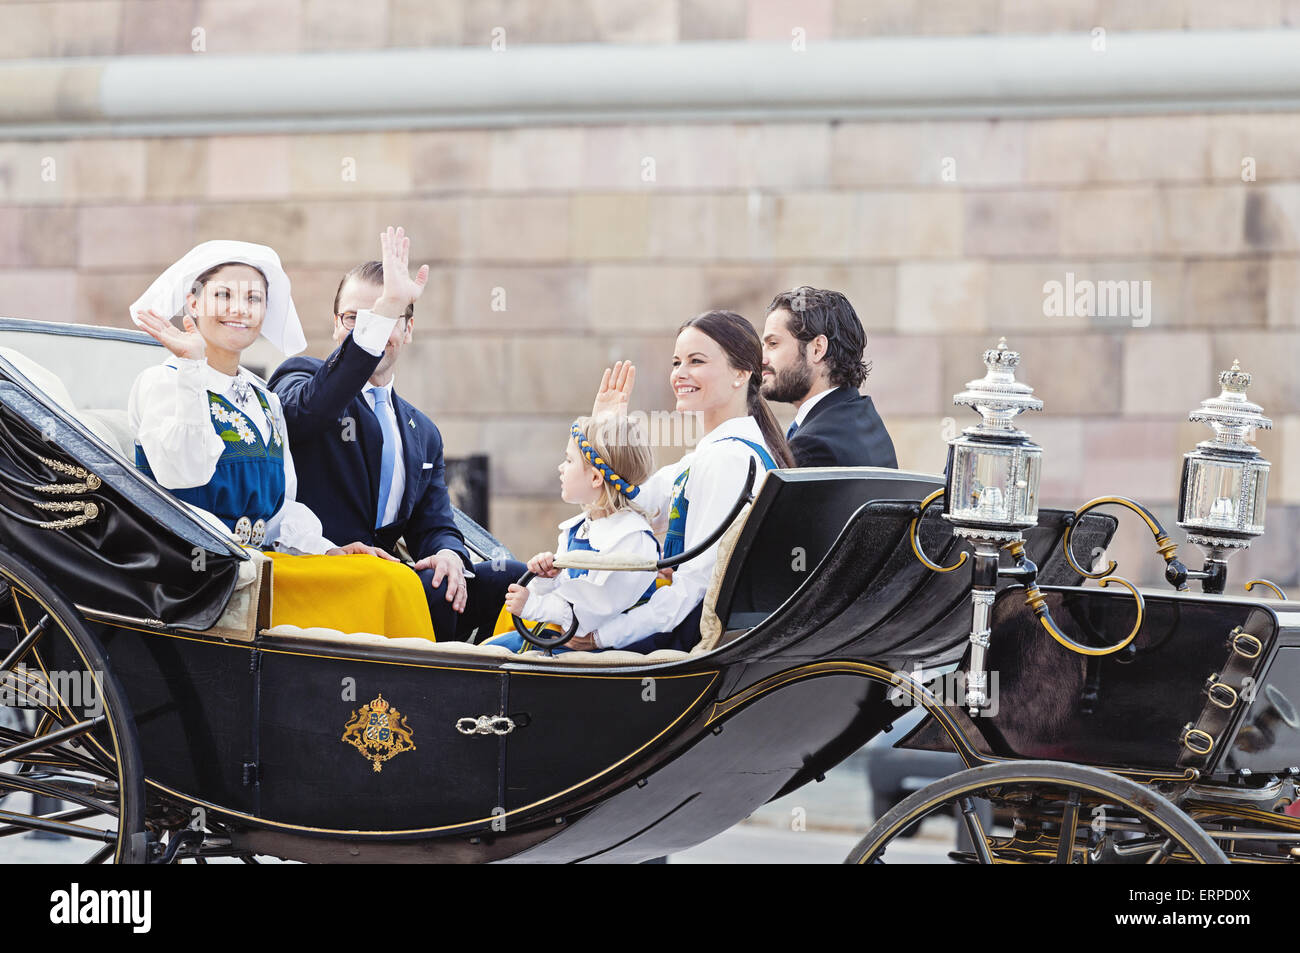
{"x":485,"y":725}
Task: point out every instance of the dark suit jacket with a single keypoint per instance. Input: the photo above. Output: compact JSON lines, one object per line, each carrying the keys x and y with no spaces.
{"x":843,"y":430}
{"x":337,"y":443}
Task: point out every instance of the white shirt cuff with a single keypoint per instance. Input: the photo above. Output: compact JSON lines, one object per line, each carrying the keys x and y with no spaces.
{"x":372,"y":332}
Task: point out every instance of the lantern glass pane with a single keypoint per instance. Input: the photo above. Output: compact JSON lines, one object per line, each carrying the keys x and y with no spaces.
{"x":1215,"y":494}
{"x":1028,"y":487}
{"x":981,"y":485}
{"x":1261,"y":499}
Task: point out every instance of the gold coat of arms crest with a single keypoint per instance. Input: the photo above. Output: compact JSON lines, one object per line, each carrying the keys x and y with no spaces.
{"x":379,"y":731}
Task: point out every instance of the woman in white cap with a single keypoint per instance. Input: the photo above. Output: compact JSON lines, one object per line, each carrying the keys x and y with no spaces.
{"x":217,"y":440}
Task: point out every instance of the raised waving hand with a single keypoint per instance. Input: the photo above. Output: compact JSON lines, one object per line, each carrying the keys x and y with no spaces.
{"x":400,"y":289}
{"x":186,"y":344}
{"x":615,"y":391}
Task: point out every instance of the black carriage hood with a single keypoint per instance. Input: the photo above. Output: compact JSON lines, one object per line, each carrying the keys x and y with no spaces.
{"x":108,"y":538}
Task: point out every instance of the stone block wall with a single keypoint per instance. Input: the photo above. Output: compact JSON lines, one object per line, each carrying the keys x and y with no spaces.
{"x":46,"y":28}
{"x":555,"y":251}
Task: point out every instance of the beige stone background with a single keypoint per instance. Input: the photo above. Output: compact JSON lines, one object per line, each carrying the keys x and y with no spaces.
{"x":598,"y":264}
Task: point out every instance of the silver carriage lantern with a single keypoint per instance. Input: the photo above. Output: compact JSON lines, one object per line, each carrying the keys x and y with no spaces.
{"x":1225,"y":480}
{"x":991,"y":493}
{"x":994,"y":468}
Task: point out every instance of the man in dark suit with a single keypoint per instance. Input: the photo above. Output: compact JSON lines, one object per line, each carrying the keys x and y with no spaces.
{"x":369,"y":464}
{"x":812,"y":358}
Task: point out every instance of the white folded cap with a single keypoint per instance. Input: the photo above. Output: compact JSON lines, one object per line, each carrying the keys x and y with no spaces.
{"x":167,"y":293}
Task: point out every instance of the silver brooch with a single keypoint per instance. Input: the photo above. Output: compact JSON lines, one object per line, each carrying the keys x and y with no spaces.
{"x":241,"y":388}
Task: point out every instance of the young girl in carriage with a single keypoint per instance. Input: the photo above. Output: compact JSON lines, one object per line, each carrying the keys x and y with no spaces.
{"x":605,"y":461}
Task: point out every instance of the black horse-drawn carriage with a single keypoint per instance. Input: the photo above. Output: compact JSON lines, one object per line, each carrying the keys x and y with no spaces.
{"x":152,"y":712}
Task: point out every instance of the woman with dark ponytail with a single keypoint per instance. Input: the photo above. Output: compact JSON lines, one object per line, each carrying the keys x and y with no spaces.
{"x":738,"y":339}
{"x":716,"y":373}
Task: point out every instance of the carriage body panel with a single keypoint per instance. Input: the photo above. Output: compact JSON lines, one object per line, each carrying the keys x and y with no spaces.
{"x":1129,"y":711}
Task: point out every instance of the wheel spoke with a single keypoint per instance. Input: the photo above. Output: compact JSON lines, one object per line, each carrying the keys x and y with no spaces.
{"x":62,"y":705}
{"x":81,"y":762}
{"x":64,"y":757}
{"x":32,"y":822}
{"x":53,"y":738}
{"x":25,"y":645}
{"x":1069,"y":826}
{"x":32,"y":690}
{"x":976,"y":831}
{"x":54,"y":791}
{"x":78,"y":814}
{"x":1161,"y":854}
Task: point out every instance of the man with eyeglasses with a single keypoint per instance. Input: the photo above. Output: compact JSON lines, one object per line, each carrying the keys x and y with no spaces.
{"x":369,"y":464}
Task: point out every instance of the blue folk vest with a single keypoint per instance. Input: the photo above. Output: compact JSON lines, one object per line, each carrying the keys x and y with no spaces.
{"x":675,"y":539}
{"x":249,"y":478}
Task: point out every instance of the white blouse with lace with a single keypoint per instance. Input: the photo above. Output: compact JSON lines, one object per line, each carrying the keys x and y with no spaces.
{"x":169,"y":414}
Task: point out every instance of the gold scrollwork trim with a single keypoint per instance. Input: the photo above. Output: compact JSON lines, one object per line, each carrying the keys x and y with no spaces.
{"x":86,"y":511}
{"x":89,"y":482}
{"x":1167,"y":549}
{"x":1277,"y":590}
{"x":1034,"y":599}
{"x":916,"y":542}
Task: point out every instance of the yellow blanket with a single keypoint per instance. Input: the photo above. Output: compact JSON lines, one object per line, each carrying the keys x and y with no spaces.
{"x":352,"y":593}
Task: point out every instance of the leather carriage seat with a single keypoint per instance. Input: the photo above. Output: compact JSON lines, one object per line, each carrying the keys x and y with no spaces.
{"x":772,"y":547}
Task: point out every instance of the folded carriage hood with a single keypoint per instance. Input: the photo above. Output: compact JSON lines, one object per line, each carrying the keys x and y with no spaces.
{"x":106,"y":537}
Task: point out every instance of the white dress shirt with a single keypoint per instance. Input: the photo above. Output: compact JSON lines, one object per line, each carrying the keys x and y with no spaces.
{"x":169,"y":412}
{"x":371,"y":334}
{"x":600,"y":596}
{"x":809,"y":404}
{"x":718,"y":467}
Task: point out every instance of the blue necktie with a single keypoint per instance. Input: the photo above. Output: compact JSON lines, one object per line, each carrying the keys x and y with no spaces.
{"x":790,"y":433}
{"x":388,"y":458}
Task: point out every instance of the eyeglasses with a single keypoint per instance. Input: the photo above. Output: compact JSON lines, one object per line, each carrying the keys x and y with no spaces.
{"x":349,"y":318}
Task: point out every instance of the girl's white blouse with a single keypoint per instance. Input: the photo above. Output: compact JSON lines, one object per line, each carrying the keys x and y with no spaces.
{"x":596,"y":596}
{"x":169,"y":413}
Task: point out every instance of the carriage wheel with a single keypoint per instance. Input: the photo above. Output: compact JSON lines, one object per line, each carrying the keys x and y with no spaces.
{"x":71,"y":779}
{"x":1058,"y":814}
